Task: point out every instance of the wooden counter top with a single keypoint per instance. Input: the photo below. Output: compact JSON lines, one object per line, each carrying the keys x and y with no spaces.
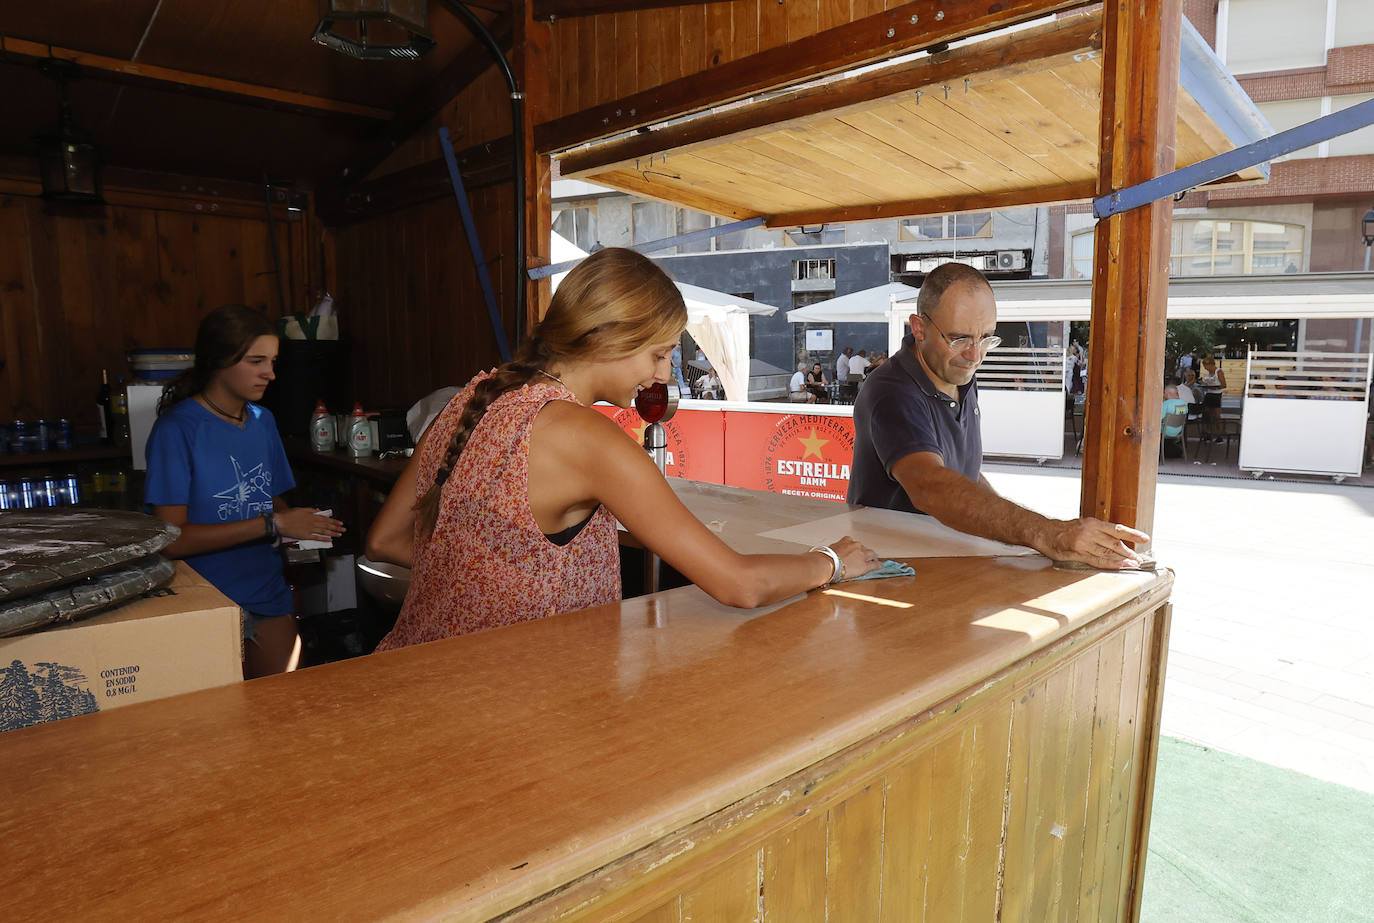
{"x":469,"y":776}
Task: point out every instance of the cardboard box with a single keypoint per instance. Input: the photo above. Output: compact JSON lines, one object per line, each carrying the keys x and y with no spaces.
{"x":180,"y":638}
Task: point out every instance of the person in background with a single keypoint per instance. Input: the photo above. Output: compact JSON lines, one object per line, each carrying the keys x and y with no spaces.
{"x":1212,"y":381}
{"x":708,"y":385}
{"x":507,"y":511}
{"x":918,"y":438}
{"x":818,"y":384}
{"x":677,"y":371}
{"x":859,"y":364}
{"x":797,"y":386}
{"x":217,"y":470}
{"x":1173,"y":403}
{"x":842,"y":363}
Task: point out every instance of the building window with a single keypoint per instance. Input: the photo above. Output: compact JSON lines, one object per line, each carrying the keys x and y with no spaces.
{"x":812,"y":269}
{"x":1207,"y":247}
{"x":1211,"y":247}
{"x":946,"y":227}
{"x":1270,"y":35}
{"x":577,"y":225}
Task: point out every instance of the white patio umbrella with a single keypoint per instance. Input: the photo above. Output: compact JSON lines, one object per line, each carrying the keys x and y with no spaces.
{"x":882,"y":304}
{"x":717,"y":321}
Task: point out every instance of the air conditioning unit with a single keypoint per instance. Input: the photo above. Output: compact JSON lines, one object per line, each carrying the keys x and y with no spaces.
{"x":1011,"y":259}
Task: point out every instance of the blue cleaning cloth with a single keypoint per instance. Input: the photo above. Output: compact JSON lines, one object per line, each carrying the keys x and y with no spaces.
{"x":889,"y":569}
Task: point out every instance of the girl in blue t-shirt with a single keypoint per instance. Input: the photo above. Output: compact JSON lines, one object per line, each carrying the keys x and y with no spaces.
{"x":217,"y":470}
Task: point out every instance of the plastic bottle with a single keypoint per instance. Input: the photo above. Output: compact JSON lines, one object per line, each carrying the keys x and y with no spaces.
{"x":321,"y":428}
{"x":359,"y":433}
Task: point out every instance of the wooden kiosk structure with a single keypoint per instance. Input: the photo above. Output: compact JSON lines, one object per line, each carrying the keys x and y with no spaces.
{"x":976,"y":740}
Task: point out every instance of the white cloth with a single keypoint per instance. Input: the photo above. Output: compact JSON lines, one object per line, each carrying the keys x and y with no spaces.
{"x":798,"y":381}
{"x":1186,"y":395}
{"x":841,"y":367}
{"x":858,"y":366}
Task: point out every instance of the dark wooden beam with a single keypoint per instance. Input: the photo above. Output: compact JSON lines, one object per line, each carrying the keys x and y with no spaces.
{"x":482,"y":165}
{"x":549,"y":10}
{"x":908,"y":27}
{"x":428,"y":102}
{"x":1023,"y":52}
{"x":1131,"y":264}
{"x":939,"y":205}
{"x":133,"y":73}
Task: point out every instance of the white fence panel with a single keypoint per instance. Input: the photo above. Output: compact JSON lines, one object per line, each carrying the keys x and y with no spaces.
{"x":1021,"y":397}
{"x":1305,"y":413}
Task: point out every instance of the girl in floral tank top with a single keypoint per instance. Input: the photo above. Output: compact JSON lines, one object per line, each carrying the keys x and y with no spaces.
{"x":488,"y":563}
{"x":507,"y":510}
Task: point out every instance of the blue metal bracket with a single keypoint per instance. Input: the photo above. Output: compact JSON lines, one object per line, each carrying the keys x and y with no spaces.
{"x":664,"y":243}
{"x":1204,"y":171}
{"x":475,"y":243}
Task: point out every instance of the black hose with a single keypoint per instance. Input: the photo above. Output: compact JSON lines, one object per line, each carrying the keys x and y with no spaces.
{"x":517,"y":106}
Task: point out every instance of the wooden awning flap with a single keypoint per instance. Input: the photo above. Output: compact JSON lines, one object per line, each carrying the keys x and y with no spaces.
{"x":1008,"y":121}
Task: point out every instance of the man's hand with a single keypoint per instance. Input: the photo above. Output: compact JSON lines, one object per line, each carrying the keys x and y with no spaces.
{"x":1092,"y":541}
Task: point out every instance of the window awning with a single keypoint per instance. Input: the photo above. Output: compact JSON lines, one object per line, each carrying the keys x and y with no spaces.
{"x":1005,"y":121}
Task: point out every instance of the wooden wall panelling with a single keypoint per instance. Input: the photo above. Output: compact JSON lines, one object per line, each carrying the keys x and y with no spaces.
{"x":773,"y":21}
{"x":650,"y":49}
{"x":606,"y":64}
{"x":20,"y":348}
{"x":803,"y":18}
{"x":720,"y":35}
{"x":834,"y":13}
{"x":1020,"y":801}
{"x":672,"y":35}
{"x":745,"y":28}
{"x":692,"y":41}
{"x":854,"y":856}
{"x":580,"y":85}
{"x":793,"y":875}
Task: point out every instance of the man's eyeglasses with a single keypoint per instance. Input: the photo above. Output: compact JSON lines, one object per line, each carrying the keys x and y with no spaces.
{"x":960,"y":344}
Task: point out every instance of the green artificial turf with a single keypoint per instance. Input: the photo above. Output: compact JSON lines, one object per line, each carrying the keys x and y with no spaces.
{"x":1232,"y":839}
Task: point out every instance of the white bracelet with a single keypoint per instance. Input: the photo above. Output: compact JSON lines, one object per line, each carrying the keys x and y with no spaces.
{"x":838,"y":573}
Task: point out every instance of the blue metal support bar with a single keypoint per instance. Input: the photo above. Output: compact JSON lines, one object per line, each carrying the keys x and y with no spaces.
{"x":1204,"y":171}
{"x":470,"y":228}
{"x":540,"y":272}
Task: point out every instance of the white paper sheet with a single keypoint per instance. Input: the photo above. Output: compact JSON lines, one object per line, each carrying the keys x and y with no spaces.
{"x":896,"y":535}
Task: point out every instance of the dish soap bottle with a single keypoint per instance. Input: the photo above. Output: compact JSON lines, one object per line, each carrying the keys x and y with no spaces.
{"x":359,"y":433}
{"x":321,"y":428}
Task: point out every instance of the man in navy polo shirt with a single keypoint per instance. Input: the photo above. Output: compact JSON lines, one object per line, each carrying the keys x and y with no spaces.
{"x":918,"y":443}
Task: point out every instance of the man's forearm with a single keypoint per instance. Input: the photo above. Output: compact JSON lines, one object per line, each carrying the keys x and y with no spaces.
{"x":976,"y":508}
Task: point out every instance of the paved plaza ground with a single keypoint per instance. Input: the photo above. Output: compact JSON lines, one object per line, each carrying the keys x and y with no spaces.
{"x":1264,"y":798}
{"x":1272,"y":648}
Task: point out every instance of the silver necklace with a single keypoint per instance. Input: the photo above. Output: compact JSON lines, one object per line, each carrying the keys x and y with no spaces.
{"x":554,"y":377}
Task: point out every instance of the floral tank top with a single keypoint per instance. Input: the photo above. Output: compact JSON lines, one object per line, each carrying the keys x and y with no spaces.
{"x":487,"y":563}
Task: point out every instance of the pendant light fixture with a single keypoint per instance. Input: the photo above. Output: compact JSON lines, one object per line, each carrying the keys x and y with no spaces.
{"x":68,"y":163}
{"x":375,"y":30}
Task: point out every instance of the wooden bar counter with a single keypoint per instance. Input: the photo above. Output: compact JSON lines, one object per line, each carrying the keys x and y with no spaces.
{"x":974,"y":742}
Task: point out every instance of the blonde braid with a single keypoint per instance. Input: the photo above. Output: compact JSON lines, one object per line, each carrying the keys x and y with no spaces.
{"x":514,"y":374}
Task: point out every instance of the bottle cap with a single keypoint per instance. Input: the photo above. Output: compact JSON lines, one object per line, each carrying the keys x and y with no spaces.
{"x":320,"y":407}
{"x":358,"y":410}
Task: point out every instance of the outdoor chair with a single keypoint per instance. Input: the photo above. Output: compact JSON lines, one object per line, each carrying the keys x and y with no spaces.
{"x":1221,"y":433}
{"x":1174,"y":419}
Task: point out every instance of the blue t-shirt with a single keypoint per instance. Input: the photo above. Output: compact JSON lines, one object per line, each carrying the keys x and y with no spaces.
{"x":898,"y":413}
{"x":221,"y":473}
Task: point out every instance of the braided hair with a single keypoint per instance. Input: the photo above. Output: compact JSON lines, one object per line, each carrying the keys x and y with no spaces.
{"x":612,"y":305}
{"x":222,"y":340}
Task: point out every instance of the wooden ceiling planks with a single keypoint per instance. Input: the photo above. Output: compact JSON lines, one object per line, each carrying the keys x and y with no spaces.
{"x":1019,"y":127}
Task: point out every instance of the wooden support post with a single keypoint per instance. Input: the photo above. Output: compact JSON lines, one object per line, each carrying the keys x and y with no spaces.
{"x":532,"y":42}
{"x":1131,"y":263}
